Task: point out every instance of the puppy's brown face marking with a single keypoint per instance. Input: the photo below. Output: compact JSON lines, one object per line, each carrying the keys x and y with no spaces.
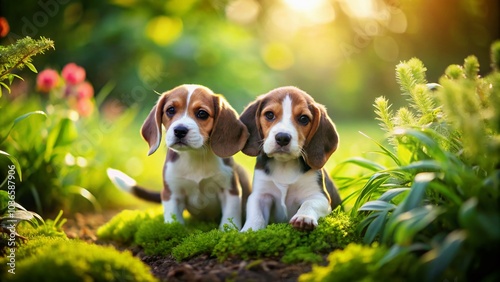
{"x":188,"y":116}
{"x":286,"y":122}
{"x":187,"y":106}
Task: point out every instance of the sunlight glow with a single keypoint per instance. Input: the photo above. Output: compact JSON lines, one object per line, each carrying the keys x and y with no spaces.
{"x":359,"y":8}
{"x":304,"y":5}
{"x":309,"y":12}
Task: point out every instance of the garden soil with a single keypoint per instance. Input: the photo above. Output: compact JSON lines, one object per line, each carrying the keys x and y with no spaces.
{"x":202,"y":268}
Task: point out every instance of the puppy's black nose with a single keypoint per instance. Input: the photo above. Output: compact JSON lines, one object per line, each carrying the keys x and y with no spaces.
{"x":180,"y":131}
{"x":283,"y":138}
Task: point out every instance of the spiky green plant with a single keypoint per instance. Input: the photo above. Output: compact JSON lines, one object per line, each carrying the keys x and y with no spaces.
{"x":441,"y":198}
{"x":20,"y":55}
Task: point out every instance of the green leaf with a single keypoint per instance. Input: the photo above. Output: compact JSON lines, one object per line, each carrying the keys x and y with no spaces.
{"x":36,"y":198}
{"x":19,"y":119}
{"x":412,"y":222}
{"x":384,"y":149}
{"x":31,"y":67}
{"x":86,"y":194}
{"x":376,"y":227}
{"x":64,"y":133}
{"x":397,"y":250}
{"x":392,"y":193}
{"x":377,"y":205}
{"x":371,"y":186}
{"x":364,"y":163}
{"x":413,"y":200}
{"x":481,"y":225}
{"x":15,"y":162}
{"x":439,"y":258}
{"x":417,"y":192}
{"x":424,"y":165}
{"x":433,"y":148}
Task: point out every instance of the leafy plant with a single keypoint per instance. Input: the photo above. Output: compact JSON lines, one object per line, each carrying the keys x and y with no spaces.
{"x":441,"y":198}
{"x":359,"y":263}
{"x":11,"y":214}
{"x":18,"y":56}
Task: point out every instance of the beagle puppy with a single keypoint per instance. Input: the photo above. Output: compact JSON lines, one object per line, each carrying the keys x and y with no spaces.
{"x":202,"y":133}
{"x":292,"y":137}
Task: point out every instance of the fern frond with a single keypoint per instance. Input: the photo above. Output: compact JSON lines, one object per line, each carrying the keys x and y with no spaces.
{"x":423,"y":102}
{"x":383,"y":111}
{"x":495,"y":55}
{"x":405,"y":118}
{"x":471,"y":67}
{"x":454,"y":72}
{"x":409,"y":74}
{"x":19,"y":55}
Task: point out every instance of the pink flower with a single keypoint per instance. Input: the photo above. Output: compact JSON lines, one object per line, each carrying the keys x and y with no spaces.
{"x":47,"y":80}
{"x":73,"y":74}
{"x":85,"y":91}
{"x":84,"y":107}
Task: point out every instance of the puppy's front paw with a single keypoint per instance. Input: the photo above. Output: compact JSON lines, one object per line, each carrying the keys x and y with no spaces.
{"x":303,"y":222}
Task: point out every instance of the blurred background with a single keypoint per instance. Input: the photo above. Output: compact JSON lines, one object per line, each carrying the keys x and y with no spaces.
{"x":342,"y":52}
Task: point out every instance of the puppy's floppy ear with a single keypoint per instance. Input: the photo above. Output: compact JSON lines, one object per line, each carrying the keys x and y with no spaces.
{"x":151,"y":128}
{"x":228,"y":134}
{"x":323,"y":139}
{"x":250,"y":117}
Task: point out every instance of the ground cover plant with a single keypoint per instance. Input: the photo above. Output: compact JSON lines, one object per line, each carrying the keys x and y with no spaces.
{"x":48,"y":255}
{"x":147,"y":230}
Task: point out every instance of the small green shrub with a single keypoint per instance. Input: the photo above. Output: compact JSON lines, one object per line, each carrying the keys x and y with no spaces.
{"x":360,"y":263}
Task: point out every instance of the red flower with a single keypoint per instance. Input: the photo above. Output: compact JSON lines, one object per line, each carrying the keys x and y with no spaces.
{"x":4,"y":27}
{"x":73,"y":74}
{"x":47,"y":80}
{"x":85,"y":91}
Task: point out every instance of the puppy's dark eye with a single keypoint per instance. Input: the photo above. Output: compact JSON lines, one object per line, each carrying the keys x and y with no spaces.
{"x":270,"y":115}
{"x":201,"y":114}
{"x":304,"y":120}
{"x":170,"y":111}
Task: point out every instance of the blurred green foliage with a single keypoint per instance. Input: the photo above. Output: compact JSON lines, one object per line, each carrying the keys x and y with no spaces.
{"x":341,"y":52}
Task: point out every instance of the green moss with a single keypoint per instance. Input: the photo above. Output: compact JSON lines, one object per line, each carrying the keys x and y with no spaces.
{"x":195,"y":238}
{"x":359,"y":263}
{"x":196,"y":244}
{"x":334,"y":231}
{"x":123,"y":227}
{"x":158,"y":238}
{"x":48,"y":255}
{"x":72,"y":260}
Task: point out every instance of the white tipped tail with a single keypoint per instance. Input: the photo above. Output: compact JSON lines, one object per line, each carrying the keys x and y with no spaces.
{"x":121,"y":180}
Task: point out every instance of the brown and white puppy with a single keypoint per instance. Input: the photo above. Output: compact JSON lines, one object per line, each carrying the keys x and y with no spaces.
{"x":292,"y":137}
{"x":202,"y":133}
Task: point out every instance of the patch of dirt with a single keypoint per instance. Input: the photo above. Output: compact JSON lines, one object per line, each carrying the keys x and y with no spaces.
{"x":202,"y":268}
